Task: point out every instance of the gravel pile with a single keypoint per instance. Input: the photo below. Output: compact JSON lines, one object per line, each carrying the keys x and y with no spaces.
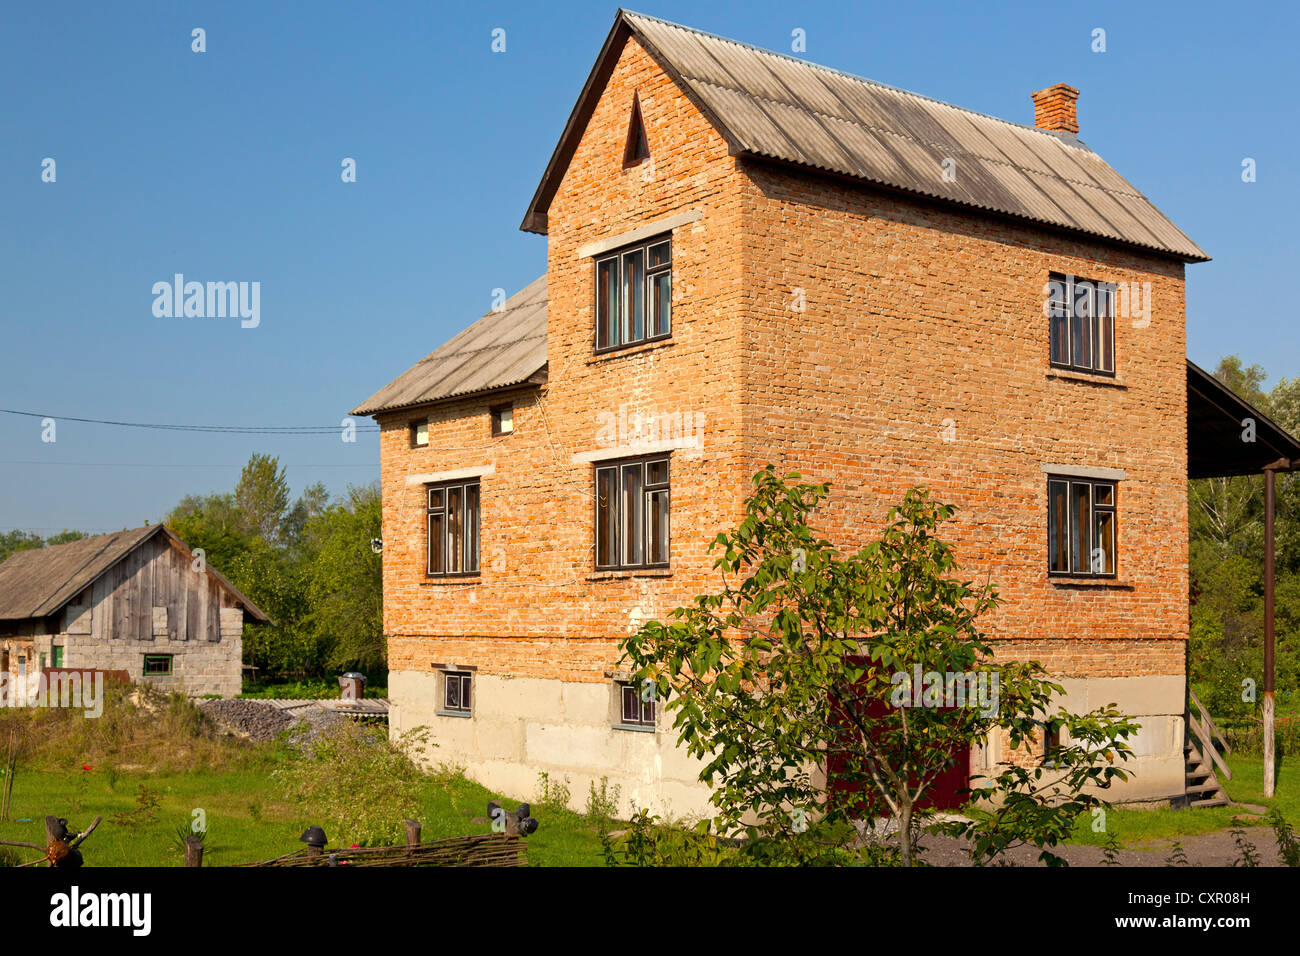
{"x":248,"y":718}
{"x":318,"y":721}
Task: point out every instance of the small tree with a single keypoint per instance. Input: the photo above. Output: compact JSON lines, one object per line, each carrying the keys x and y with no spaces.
{"x":808,"y":659}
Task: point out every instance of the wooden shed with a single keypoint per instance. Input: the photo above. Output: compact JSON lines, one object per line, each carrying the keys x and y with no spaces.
{"x":139,"y":601}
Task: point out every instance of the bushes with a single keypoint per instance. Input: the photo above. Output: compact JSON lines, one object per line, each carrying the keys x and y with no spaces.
{"x":357,"y":784}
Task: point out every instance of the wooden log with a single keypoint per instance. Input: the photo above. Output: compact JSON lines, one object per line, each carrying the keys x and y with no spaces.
{"x":193,"y":850}
{"x":412,"y":833}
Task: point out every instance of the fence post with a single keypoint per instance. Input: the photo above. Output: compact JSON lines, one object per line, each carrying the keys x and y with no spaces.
{"x":412,"y":833}
{"x":193,"y":850}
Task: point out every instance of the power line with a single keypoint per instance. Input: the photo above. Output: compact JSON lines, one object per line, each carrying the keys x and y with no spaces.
{"x":170,"y":464}
{"x":222,"y":429}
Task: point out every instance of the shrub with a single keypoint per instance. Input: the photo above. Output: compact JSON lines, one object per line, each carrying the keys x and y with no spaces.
{"x":357,"y":784}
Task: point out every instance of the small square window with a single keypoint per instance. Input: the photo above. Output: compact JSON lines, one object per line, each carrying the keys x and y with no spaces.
{"x":419,"y":434}
{"x":503,"y":419}
{"x":157,"y":665}
{"x":456,"y":687}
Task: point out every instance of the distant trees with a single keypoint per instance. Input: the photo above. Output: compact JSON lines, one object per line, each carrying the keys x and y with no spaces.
{"x":308,"y":563}
{"x":13,"y":541}
{"x":1226,"y":526}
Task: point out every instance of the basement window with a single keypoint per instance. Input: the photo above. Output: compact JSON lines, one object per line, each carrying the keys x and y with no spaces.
{"x":456,"y":689}
{"x":453,"y":529}
{"x":1053,"y":742}
{"x":634,"y":296}
{"x":632,"y":514}
{"x":1081,"y":527}
{"x":635,"y":711}
{"x":1081,"y":323}
{"x":157,"y":665}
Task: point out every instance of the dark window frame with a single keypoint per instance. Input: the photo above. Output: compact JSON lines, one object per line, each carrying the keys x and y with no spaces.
{"x":649,"y":489}
{"x":1098,"y":321}
{"x":171,"y":665}
{"x":414,"y":431}
{"x":1095,"y":508}
{"x":495,"y":413}
{"x":643,"y":712}
{"x":649,"y":274}
{"x":463,"y":683}
{"x":444,"y":490}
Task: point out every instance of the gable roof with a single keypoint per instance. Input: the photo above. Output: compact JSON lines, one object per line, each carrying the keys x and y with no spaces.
{"x":500,"y":349}
{"x":777,"y":107}
{"x":39,"y":582}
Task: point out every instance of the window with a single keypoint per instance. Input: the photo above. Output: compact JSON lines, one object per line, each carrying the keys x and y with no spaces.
{"x":157,"y":665}
{"x":419,"y":434}
{"x":1081,"y":322}
{"x":635,"y":710}
{"x":634,"y":295}
{"x":456,"y":691}
{"x":503,"y":419}
{"x":453,"y":529}
{"x":632,"y":513}
{"x":637,"y":150}
{"x":1081,"y":532}
{"x":1053,"y":742}
{"x":56,"y":655}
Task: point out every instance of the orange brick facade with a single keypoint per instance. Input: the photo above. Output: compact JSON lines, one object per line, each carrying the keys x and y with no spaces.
{"x":859,"y":337}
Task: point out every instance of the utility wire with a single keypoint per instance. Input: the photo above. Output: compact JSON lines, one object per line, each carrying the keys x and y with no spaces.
{"x":223,"y":429}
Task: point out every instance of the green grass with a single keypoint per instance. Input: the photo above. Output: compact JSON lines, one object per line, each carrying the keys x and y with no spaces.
{"x":247,"y":817}
{"x":311,"y":689}
{"x":1139,"y":829}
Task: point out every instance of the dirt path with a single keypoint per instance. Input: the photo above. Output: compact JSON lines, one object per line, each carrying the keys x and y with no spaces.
{"x":1203,"y":849}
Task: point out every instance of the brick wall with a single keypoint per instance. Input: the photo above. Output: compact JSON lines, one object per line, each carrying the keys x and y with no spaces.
{"x":538,"y":609}
{"x":825,"y":327}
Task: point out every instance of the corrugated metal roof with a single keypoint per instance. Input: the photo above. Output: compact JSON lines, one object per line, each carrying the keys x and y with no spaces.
{"x":778,"y":107}
{"x":40,"y":581}
{"x":501,"y":349}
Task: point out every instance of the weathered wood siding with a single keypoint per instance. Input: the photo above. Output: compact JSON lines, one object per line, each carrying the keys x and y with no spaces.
{"x":154,"y":601}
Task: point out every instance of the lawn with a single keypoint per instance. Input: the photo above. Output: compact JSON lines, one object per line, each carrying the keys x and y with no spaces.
{"x":247,"y":817}
{"x":1134,"y":828}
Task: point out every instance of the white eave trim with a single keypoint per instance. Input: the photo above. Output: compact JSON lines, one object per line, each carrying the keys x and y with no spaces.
{"x":432,"y":477}
{"x":691,"y":443}
{"x":1085,"y":471}
{"x":640,"y":232}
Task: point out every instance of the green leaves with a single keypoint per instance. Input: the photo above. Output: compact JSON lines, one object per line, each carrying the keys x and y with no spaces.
{"x":788,"y":671}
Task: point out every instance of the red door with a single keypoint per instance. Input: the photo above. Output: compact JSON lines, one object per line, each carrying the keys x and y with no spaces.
{"x":944,"y":793}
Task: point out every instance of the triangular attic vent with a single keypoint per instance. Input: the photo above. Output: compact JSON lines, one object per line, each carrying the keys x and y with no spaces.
{"x":637,"y":149}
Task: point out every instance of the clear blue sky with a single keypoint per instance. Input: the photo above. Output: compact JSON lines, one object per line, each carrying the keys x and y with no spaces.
{"x":225,"y":166}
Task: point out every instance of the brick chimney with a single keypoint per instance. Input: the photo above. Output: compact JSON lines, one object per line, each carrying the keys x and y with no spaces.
{"x":1054,"y":109}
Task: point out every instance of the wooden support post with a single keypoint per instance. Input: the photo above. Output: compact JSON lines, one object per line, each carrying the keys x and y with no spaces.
{"x":412,"y":833}
{"x":193,"y":850}
{"x":1270,"y":772}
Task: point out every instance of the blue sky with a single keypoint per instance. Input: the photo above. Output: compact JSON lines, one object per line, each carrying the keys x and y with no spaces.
{"x":225,"y":165}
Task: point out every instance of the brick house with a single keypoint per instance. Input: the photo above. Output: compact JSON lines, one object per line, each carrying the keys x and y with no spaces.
{"x":136,"y":601}
{"x":754,"y":259}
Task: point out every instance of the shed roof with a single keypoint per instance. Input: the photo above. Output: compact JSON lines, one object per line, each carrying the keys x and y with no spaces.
{"x":777,"y":107}
{"x":501,"y":349}
{"x":39,"y":582}
{"x":1216,"y":422}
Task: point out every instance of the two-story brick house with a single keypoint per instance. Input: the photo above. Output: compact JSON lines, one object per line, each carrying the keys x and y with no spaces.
{"x":755,"y":259}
